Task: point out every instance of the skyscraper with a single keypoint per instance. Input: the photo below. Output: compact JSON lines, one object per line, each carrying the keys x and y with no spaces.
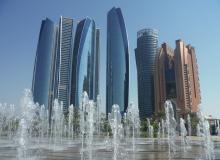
{"x":187,"y":79}
{"x":42,"y":84}
{"x":83,"y":73}
{"x":64,"y":56}
{"x":97,"y":63}
{"x":176,"y":78}
{"x":147,"y":40}
{"x":117,"y":78}
{"x":164,"y":78}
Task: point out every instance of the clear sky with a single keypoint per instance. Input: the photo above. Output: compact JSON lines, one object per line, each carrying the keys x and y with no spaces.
{"x":196,"y":22}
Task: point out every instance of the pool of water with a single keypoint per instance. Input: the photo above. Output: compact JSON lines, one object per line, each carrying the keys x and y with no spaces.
{"x":69,"y":149}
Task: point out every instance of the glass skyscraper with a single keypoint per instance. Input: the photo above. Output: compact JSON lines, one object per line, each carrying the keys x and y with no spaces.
{"x":64,"y":56}
{"x":42,"y":84}
{"x":84,"y":58}
{"x":147,"y":41}
{"x":97,"y":63}
{"x":117,"y":78}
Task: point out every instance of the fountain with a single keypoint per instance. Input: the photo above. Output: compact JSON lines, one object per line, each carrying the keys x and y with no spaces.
{"x":116,"y":138}
{"x":98,"y":106}
{"x":189,"y":125}
{"x":150,"y":129}
{"x":163,"y":128}
{"x":116,"y":126}
{"x":204,"y":132}
{"x":171,"y":128}
{"x":70,"y":121}
{"x":84,"y":103}
{"x":28,"y":110}
{"x":133,"y":118}
{"x":159,"y":134}
{"x":57,"y":121}
{"x":90,"y":110}
{"x":183,"y":133}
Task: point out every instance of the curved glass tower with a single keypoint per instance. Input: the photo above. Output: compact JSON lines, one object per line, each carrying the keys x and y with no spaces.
{"x":83,"y":61}
{"x":117,"y":78}
{"x":43,"y":68}
{"x":147,"y":40}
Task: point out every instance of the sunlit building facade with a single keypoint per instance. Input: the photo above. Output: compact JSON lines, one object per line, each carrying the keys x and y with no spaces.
{"x":147,"y":41}
{"x":42,"y":84}
{"x":64,"y":56}
{"x":164,"y":77}
{"x":117,"y":78}
{"x":187,"y":78}
{"x":84,"y":58}
{"x":176,"y":78}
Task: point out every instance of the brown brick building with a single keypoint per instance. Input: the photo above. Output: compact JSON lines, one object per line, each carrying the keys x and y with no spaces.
{"x":176,"y":78}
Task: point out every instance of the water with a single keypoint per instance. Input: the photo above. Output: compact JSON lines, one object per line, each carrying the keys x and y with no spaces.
{"x":163,"y":128}
{"x":171,"y":128}
{"x":90,"y":127}
{"x":189,"y":125}
{"x":204,"y":132}
{"x":159,"y":134}
{"x":183,"y":133}
{"x":80,"y":134}
{"x":133,"y":118}
{"x":117,"y":130}
{"x":70,"y":121}
{"x":84,"y":103}
{"x":150,"y":129}
{"x":28,"y":111}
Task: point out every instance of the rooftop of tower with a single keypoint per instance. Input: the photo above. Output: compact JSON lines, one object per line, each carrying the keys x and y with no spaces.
{"x":147,"y":31}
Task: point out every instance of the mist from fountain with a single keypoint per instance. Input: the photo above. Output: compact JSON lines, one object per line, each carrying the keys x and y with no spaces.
{"x":57,"y":122}
{"x":204,"y":132}
{"x":133,"y":118}
{"x":90,"y":108}
{"x":117,"y":129}
{"x":183,"y":133}
{"x":31,"y":130}
{"x":159,"y":134}
{"x":171,"y":128}
{"x":28,"y":111}
{"x":189,"y":125}
{"x":70,"y":121}
{"x":98,"y":106}
{"x":84,"y":103}
{"x":163,"y":126}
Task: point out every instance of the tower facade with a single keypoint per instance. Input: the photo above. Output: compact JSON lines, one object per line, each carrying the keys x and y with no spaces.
{"x":64,"y":56}
{"x":42,"y":84}
{"x":97,"y":63}
{"x":187,"y":79}
{"x":164,"y":77}
{"x":117,"y":74}
{"x":147,"y":41}
{"x":176,"y":78}
{"x":84,"y":58}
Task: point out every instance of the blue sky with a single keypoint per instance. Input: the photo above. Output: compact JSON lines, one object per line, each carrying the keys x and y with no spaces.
{"x":196,"y":22}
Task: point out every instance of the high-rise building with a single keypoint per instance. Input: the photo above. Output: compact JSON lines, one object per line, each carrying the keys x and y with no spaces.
{"x":147,"y":41}
{"x":42,"y":84}
{"x":117,"y":78}
{"x":187,"y":79}
{"x":83,"y":72}
{"x":176,"y":78}
{"x":64,"y":56}
{"x":97,"y":63}
{"x":164,"y":78}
